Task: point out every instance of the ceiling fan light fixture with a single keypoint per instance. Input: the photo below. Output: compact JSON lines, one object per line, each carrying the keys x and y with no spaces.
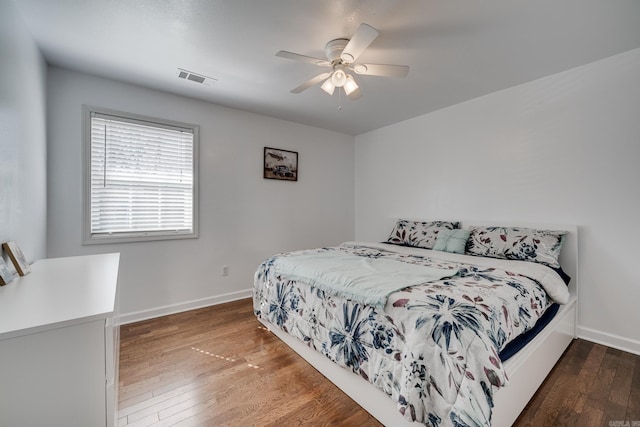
{"x":339,"y":77}
{"x":328,"y":86}
{"x":350,"y":85}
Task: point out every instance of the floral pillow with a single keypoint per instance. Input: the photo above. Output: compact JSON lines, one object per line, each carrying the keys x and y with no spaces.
{"x":522,"y":244}
{"x":419,"y":234}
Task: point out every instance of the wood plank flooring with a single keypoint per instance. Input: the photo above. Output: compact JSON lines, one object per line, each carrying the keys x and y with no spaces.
{"x":592,"y":385}
{"x":218,"y":366}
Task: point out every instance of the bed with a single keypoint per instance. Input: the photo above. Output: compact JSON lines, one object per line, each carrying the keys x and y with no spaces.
{"x":430,"y":352}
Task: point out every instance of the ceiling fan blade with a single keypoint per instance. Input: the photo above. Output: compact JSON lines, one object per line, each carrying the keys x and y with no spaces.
{"x":312,"y":81}
{"x":363,"y":37}
{"x":381,"y":70}
{"x":356,"y":94}
{"x":297,"y":57}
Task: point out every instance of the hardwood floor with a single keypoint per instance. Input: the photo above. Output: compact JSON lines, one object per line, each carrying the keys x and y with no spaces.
{"x":592,"y":385}
{"x":218,"y":366}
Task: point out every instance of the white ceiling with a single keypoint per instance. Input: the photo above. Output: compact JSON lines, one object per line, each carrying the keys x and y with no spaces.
{"x":457,"y":49}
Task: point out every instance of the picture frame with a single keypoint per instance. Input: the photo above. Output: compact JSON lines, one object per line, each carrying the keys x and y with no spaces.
{"x":280,"y":164}
{"x":17,"y":257}
{"x":6,"y":275}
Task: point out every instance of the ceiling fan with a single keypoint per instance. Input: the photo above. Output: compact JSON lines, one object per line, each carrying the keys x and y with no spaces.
{"x":342,"y":55}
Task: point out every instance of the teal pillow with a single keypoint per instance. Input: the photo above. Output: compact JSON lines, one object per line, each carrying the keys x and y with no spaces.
{"x":452,"y":241}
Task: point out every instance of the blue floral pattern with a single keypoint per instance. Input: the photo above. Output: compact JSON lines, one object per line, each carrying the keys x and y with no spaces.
{"x":421,"y":234}
{"x":524,"y":244}
{"x":433,"y":349}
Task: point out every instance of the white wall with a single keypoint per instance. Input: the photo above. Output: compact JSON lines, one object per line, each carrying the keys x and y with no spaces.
{"x":23,"y":153}
{"x":243,"y":217}
{"x":563,"y":149}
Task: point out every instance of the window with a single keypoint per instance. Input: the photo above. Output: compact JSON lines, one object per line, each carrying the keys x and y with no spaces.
{"x":140,"y":178}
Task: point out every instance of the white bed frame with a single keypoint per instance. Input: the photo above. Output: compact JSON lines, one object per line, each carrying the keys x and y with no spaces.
{"x":526,"y":370}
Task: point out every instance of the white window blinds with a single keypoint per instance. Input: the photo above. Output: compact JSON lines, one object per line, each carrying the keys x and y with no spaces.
{"x":141,"y":177}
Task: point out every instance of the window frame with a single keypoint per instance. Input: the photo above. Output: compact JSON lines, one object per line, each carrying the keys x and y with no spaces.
{"x":138,"y":236}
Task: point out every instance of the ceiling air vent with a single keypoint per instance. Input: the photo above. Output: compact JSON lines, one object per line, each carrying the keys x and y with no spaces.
{"x":198,"y":78}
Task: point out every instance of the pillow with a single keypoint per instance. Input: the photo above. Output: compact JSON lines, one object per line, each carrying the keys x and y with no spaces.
{"x":522,"y":244}
{"x":419,"y":234}
{"x":453,"y":241}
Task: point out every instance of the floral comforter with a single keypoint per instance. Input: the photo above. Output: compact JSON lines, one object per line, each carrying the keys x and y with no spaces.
{"x":434,"y":348}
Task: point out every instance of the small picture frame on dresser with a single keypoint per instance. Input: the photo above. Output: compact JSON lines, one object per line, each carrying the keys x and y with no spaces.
{"x":17,"y":257}
{"x":6,"y":275}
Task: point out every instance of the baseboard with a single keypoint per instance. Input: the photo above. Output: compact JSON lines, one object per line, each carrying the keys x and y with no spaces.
{"x":610,"y":340}
{"x":137,"y":316}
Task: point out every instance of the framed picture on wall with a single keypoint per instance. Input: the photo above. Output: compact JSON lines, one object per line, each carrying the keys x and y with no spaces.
{"x":6,"y":275}
{"x":17,"y":257}
{"x":280,"y":164}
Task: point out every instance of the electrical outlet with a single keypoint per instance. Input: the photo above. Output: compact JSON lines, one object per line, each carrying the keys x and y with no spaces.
{"x":225,"y":270}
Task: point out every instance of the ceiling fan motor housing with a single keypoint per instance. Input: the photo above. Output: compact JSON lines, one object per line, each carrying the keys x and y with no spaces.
{"x":334,"y":48}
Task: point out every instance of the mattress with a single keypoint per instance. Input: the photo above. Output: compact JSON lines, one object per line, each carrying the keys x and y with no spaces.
{"x":433,"y":347}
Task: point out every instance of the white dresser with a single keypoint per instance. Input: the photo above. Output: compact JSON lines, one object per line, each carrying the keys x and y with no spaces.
{"x":58,"y":344}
